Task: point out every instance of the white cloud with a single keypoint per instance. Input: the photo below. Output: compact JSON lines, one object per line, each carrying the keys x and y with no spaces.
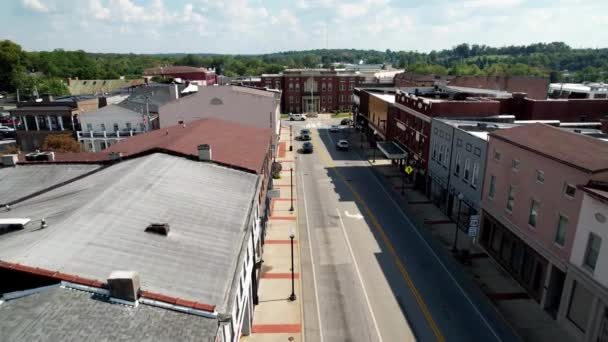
{"x":492,"y":4}
{"x":36,"y":6}
{"x":359,"y":9}
{"x":97,"y":10}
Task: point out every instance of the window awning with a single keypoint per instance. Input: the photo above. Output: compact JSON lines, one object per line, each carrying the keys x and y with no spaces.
{"x":391,"y":150}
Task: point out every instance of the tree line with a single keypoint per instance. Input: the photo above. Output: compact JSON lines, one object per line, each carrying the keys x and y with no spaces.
{"x":45,"y":71}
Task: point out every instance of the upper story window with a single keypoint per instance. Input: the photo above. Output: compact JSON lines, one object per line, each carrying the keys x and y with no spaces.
{"x":540,"y":176}
{"x":290,"y":85}
{"x":457,"y":168}
{"x":569,"y":190}
{"x":116,"y":128}
{"x":560,"y":233}
{"x":330,"y":86}
{"x":533,"y":217}
{"x":342,"y":86}
{"x":496,"y":155}
{"x":492,"y":190}
{"x":297,"y":85}
{"x":467,"y":169}
{"x":441,"y":149}
{"x":129,"y":126}
{"x":323,"y":87}
{"x":515,"y":165}
{"x":592,"y":252}
{"x":89,"y":127}
{"x":511,"y":198}
{"x":103,"y":127}
{"x":475,"y":176}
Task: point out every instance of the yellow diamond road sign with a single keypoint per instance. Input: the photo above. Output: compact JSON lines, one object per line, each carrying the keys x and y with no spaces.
{"x":409,"y":169}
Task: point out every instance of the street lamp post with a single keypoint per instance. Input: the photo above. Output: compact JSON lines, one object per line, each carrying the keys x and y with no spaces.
{"x":374,"y":158}
{"x":403,"y":180}
{"x":291,"y":185}
{"x":292,"y":297}
{"x":455,"y":246}
{"x":290,"y":138}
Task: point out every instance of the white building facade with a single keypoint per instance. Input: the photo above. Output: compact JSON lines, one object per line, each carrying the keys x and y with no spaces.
{"x":586,"y":286}
{"x":109,"y":125}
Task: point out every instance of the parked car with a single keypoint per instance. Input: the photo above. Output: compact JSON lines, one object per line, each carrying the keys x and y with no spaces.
{"x":307,"y":147}
{"x":304,"y":131}
{"x":297,"y":117}
{"x":6,"y":129}
{"x":342,"y":145}
{"x":305,"y":137}
{"x":334,"y":128}
{"x":346,"y":122}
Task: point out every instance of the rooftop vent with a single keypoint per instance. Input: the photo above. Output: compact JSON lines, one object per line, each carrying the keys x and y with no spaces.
{"x":158,"y":228}
{"x":204,"y":152}
{"x":124,"y":285}
{"x":115,"y":156}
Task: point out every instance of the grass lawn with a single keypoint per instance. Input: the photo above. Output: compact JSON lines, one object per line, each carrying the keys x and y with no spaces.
{"x":342,"y":115}
{"x":284,"y":116}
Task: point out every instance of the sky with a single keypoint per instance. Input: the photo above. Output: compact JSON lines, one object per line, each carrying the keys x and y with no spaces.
{"x":260,"y":26}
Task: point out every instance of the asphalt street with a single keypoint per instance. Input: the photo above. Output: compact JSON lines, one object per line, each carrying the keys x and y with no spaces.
{"x":368,"y":273}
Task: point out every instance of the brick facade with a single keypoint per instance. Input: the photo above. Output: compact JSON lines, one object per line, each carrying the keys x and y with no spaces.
{"x":330,"y":90}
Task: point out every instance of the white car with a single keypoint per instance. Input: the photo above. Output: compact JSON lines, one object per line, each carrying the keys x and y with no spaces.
{"x":334,"y":128}
{"x":343,"y":145}
{"x":6,"y":129}
{"x":297,"y":117}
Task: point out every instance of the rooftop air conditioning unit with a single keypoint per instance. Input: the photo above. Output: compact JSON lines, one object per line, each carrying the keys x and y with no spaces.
{"x":9,"y":160}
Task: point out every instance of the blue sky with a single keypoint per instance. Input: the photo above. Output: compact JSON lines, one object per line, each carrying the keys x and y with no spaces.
{"x":257,"y":26}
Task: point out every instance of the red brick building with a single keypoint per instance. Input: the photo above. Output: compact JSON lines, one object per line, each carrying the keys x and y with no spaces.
{"x":314,"y":90}
{"x":186,"y":73}
{"x":410,"y":79}
{"x":535,"y":87}
{"x":408,"y":117}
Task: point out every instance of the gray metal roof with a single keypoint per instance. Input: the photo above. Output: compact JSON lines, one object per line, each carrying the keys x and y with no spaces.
{"x":62,"y":314}
{"x":157,"y":95}
{"x":96,"y":225}
{"x":23,"y":180}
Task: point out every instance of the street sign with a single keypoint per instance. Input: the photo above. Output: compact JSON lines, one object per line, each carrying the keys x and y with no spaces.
{"x":409,"y":169}
{"x":473,"y":225}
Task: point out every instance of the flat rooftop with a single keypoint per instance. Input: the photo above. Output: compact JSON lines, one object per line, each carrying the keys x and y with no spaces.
{"x":97,"y":224}
{"x":24,"y":180}
{"x":480,"y":129}
{"x":389,"y":98}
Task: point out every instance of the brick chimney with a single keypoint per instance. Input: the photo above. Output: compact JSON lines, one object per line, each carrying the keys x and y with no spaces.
{"x":204,"y":152}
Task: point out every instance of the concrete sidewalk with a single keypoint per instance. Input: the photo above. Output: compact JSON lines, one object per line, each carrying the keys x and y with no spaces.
{"x":276,"y":318}
{"x":526,"y":317}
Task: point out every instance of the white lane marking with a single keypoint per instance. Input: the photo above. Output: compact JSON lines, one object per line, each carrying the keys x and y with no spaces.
{"x":312,"y":260}
{"x":352,"y":254}
{"x":355,"y":216}
{"x":407,"y":219}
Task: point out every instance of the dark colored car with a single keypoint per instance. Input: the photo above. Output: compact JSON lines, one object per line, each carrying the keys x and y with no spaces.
{"x":346,"y":122}
{"x":305,"y":137}
{"x":307,"y":147}
{"x":305,"y":131}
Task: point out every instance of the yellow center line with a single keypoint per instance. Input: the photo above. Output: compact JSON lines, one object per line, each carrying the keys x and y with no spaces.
{"x":328,"y":161}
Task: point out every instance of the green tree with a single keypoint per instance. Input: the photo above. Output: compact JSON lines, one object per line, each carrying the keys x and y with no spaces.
{"x":12,"y":62}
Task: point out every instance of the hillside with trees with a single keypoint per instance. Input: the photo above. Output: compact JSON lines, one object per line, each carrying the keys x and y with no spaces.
{"x":45,"y":71}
